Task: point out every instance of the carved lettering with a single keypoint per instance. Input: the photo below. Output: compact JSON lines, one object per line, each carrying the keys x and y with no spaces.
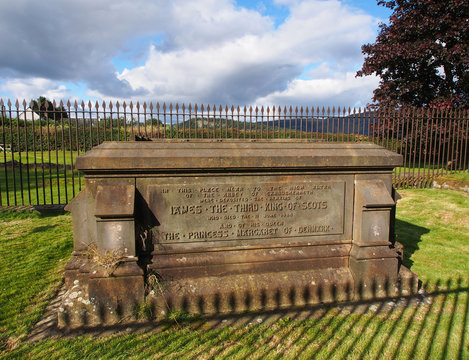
{"x":235,"y":188}
{"x":314,"y":229}
{"x":247,"y":211}
{"x":209,"y":189}
{"x":200,"y":235}
{"x":171,"y":236}
{"x":246,"y":207}
{"x":257,"y":232}
{"x":218,"y":209}
{"x":186,"y":209}
{"x":278,"y":206}
{"x":184,"y":190}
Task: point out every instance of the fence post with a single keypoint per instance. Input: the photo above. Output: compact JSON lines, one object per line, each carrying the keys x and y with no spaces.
{"x":3,"y":116}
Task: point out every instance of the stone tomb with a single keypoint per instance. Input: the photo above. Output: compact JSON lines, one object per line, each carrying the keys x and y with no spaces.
{"x":230,"y":226}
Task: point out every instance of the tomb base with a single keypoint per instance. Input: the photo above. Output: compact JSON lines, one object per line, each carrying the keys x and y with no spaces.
{"x":231,"y":226}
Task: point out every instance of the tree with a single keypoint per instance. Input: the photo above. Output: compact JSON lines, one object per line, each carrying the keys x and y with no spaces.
{"x":422,"y":56}
{"x":156,"y":122}
{"x":46,"y":109}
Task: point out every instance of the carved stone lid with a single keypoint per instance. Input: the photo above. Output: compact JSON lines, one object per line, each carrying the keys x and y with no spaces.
{"x":224,"y":155}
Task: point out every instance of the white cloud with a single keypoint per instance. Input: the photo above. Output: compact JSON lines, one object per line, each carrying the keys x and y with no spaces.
{"x":335,"y":90}
{"x":32,"y":88}
{"x":266,"y":62}
{"x":207,"y":23}
{"x":77,"y":40}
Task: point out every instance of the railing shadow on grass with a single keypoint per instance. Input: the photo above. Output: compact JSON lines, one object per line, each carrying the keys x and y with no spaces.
{"x":432,"y":321}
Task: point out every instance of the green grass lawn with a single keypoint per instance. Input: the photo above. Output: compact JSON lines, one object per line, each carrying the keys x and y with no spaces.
{"x":33,"y":252}
{"x":55,"y":157}
{"x":436,"y":222}
{"x":432,"y":225}
{"x":422,"y":170}
{"x":50,"y":188}
{"x":43,"y":185}
{"x":457,"y":179}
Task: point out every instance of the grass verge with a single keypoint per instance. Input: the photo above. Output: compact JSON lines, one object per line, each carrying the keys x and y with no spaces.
{"x":34,"y":249}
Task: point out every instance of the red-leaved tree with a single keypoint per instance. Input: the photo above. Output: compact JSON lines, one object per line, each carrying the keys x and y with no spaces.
{"x":422,"y":55}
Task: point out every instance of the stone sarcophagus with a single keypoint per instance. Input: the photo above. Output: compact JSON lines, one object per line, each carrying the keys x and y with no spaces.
{"x":230,"y":226}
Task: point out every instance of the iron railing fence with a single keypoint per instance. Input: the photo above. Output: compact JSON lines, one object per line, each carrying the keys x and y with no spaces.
{"x":39,"y":145}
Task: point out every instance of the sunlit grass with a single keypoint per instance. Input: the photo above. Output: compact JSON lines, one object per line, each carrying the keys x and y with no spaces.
{"x":38,"y":186}
{"x":53,"y":157}
{"x":456,"y":178}
{"x":437,"y":222}
{"x":33,"y":252}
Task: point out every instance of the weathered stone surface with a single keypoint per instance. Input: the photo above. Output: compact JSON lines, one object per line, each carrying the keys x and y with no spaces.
{"x":245,"y":209}
{"x":202,"y":156}
{"x":230,"y":226}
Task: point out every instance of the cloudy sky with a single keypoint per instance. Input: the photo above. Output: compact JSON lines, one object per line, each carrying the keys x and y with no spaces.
{"x":269,"y":52}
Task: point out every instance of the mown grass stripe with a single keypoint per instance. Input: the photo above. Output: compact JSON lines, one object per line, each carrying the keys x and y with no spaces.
{"x":323,"y":323}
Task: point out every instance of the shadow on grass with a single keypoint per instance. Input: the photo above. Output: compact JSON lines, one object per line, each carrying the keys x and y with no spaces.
{"x":429,"y":323}
{"x":409,"y":235}
{"x":432,"y":323}
{"x":43,"y":228}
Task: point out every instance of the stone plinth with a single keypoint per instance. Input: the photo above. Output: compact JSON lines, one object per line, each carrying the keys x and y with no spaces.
{"x":230,"y":226}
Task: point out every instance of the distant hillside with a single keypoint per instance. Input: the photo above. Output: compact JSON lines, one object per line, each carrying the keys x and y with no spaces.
{"x":354,"y":123}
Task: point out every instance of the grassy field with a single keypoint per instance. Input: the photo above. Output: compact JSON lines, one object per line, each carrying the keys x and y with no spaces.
{"x":432,"y":224}
{"x":461,"y":177}
{"x":50,"y":187}
{"x":422,"y":170}
{"x":43,"y":185}
{"x":33,"y":252}
{"x":55,"y":157}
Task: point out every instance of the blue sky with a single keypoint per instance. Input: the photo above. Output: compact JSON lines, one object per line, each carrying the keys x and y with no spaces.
{"x":269,"y":52}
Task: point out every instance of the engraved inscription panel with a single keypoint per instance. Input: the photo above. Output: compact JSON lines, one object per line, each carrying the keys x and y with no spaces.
{"x":198,"y":212}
